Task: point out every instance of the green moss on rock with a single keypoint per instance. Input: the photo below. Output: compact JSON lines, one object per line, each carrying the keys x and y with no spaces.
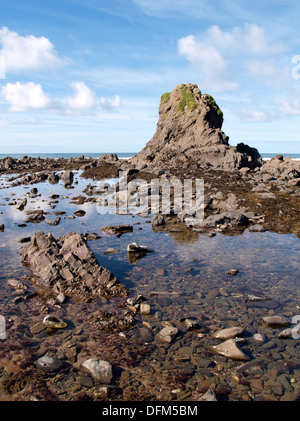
{"x":187,"y":100}
{"x":165,"y":97}
{"x":208,"y":99}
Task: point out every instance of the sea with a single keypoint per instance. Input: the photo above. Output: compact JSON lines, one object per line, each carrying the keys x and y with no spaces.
{"x":122,"y":155}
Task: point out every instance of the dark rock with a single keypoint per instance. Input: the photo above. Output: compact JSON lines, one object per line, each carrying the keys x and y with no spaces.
{"x":35,"y":215}
{"x":92,"y":236}
{"x":80,"y":213}
{"x":257,"y":228}
{"x":285,"y":169}
{"x":21,"y":203}
{"x":191,"y":324}
{"x":252,"y":368}
{"x":53,"y":178}
{"x":67,"y":177}
{"x":53,"y":222}
{"x":86,"y":381}
{"x":158,"y":220}
{"x":24,"y":240}
{"x":37,"y":328}
{"x":189,"y":132}
{"x":164,"y":301}
{"x":268,"y":304}
{"x":233,"y":272}
{"x":146,"y":335}
{"x":234,"y":218}
{"x":118,"y":229}
{"x":68,"y":265}
{"x":276,"y":321}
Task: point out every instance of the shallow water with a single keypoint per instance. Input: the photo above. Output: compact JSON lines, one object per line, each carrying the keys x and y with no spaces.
{"x":195,"y":279}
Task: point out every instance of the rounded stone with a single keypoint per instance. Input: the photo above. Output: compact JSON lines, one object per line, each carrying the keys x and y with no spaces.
{"x":145,"y":309}
{"x":49,"y":363}
{"x":54,"y":322}
{"x":100,"y":370}
{"x":146,"y":335}
{"x":228,"y":333}
{"x":259,"y":338}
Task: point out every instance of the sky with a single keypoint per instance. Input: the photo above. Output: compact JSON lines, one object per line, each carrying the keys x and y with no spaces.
{"x":87,"y":75}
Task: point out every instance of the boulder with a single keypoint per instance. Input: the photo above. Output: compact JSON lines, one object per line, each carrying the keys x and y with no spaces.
{"x":234,"y":218}
{"x":67,"y":265}
{"x":67,"y":177}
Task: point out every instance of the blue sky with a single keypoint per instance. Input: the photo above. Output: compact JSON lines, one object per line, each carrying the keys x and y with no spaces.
{"x":87,"y":75}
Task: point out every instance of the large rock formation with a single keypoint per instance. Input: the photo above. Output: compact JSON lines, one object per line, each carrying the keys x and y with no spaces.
{"x":189,"y":132}
{"x":67,"y":265}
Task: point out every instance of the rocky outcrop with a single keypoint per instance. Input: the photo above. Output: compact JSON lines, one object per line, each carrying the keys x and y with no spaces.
{"x":282,"y":168}
{"x":67,"y":265}
{"x":189,"y":132}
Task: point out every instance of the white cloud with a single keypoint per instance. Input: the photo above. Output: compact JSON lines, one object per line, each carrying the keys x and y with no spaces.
{"x":115,"y":103}
{"x":199,"y":9}
{"x":84,"y":98}
{"x":221,"y":55}
{"x":249,"y":39}
{"x":254,"y":116}
{"x":27,"y":52}
{"x":287,"y":108}
{"x":23,"y":97}
{"x":212,"y":66}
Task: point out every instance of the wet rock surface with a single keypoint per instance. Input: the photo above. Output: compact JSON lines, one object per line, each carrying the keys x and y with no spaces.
{"x":67,"y":265}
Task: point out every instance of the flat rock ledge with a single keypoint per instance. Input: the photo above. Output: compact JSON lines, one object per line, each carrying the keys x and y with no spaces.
{"x":67,"y":265}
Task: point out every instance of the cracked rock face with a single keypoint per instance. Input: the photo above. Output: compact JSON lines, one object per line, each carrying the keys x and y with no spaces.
{"x":67,"y":265}
{"x":189,"y":132}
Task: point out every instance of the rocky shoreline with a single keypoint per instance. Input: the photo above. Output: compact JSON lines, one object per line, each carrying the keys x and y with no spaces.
{"x":169,"y":330}
{"x":269,"y":195}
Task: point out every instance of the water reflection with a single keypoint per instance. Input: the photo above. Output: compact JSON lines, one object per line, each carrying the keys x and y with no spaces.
{"x":185,"y":276}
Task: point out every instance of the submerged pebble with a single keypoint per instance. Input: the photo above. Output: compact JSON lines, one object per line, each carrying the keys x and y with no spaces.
{"x":49,"y":363}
